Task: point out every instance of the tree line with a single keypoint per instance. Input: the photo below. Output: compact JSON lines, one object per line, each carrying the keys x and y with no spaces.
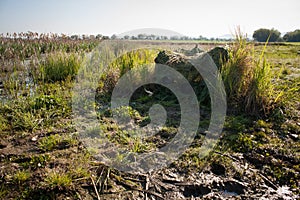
{"x":144,"y":36}
{"x":273,"y":35}
{"x":260,"y":35}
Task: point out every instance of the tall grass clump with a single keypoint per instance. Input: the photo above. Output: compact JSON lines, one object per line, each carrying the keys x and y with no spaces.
{"x":261,"y":96}
{"x":123,"y":64}
{"x":248,"y":80}
{"x":238,"y":71}
{"x":60,"y":66}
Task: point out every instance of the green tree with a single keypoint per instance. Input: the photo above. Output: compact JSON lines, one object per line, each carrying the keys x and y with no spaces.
{"x":141,"y":36}
{"x":113,"y":37}
{"x":293,"y":36}
{"x":99,"y":36}
{"x":262,"y":35}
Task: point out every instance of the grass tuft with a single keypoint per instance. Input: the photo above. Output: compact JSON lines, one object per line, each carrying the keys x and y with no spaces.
{"x":248,"y":81}
{"x":58,"y":180}
{"x":56,"y":142}
{"x":20,"y":177}
{"x":60,"y":66}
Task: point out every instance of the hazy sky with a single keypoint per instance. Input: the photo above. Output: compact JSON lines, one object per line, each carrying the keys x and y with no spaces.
{"x":209,"y":18}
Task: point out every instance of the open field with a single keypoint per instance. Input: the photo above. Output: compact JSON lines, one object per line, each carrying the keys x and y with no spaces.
{"x":42,"y":157}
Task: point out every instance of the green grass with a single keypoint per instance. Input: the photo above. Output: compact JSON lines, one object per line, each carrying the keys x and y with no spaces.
{"x":56,"y":142}
{"x":56,"y":163}
{"x":45,"y":108}
{"x":36,"y":161}
{"x":248,"y":79}
{"x":59,"y":66}
{"x":20,"y":49}
{"x":20,"y":177}
{"x":59,"y":180}
{"x":123,"y":64}
{"x":237,"y":73}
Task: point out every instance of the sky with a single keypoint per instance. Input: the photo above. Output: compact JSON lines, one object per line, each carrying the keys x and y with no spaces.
{"x":209,"y":18}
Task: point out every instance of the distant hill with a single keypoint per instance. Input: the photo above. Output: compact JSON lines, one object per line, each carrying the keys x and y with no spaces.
{"x":149,"y":31}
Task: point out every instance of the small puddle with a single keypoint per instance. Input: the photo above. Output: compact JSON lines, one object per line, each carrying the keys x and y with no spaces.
{"x":24,"y":80}
{"x":226,"y":193}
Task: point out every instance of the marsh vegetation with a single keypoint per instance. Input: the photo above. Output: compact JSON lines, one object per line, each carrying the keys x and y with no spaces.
{"x":42,"y":157}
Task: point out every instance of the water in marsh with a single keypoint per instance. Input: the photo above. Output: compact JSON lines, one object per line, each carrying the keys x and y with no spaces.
{"x":17,"y":83}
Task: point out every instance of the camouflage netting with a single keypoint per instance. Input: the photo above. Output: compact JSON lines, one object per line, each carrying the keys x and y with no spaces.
{"x":194,"y":51}
{"x":180,"y":62}
{"x":219,"y":55}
